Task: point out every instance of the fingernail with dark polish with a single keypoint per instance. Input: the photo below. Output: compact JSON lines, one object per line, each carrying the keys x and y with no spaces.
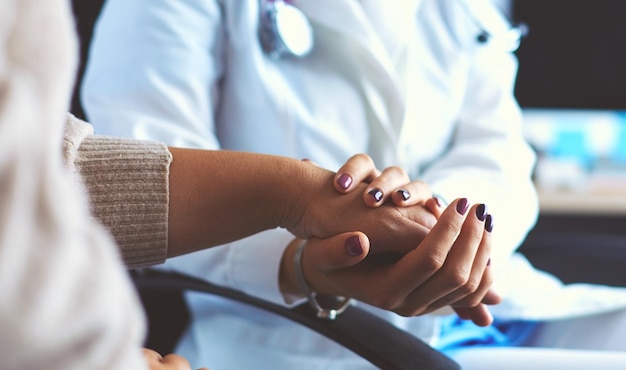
{"x":353,"y":246}
{"x":481,"y":212}
{"x":489,"y":223}
{"x":437,"y":201}
{"x":489,"y":262}
{"x":405,"y":194}
{"x":344,"y":181}
{"x":461,"y":206}
{"x":377,"y":194}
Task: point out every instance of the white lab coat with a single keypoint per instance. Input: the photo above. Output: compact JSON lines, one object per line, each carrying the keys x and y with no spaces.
{"x":405,"y":81}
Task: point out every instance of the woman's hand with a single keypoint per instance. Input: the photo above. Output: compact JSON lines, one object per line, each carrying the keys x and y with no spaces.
{"x":392,"y":183}
{"x":170,"y":362}
{"x":449,"y":267}
{"x":390,"y":227}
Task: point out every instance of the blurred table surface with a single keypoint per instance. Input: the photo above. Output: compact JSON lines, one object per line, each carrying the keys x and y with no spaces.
{"x":598,"y":195}
{"x":568,"y":202}
{"x":596,"y":210}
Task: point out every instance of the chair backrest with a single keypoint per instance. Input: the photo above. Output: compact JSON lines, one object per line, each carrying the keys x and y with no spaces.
{"x":85,"y":15}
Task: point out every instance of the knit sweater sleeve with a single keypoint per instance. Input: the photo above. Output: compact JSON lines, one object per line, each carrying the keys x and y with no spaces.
{"x":127,"y":185}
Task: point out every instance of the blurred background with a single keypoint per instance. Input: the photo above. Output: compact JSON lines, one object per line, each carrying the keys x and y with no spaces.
{"x":572,"y":86}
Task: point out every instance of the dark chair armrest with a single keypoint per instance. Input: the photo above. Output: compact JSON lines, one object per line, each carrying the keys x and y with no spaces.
{"x":369,"y":336}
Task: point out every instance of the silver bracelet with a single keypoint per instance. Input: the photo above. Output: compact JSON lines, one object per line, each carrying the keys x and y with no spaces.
{"x":323,"y":313}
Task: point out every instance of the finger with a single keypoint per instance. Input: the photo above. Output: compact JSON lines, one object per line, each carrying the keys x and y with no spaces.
{"x":359,"y":168}
{"x":415,"y":192}
{"x":175,"y":362}
{"x":381,"y":188}
{"x":455,"y":279}
{"x":323,"y":257}
{"x":434,"y":206}
{"x":480,"y":315}
{"x":336,"y":252}
{"x":492,"y":297}
{"x":151,"y":355}
{"x":463,"y":312}
{"x":480,"y":279}
{"x":420,"y":264}
{"x":475,"y":298}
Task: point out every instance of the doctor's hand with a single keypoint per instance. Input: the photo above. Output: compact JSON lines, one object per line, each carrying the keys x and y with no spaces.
{"x":448,"y":268}
{"x":393,"y":185}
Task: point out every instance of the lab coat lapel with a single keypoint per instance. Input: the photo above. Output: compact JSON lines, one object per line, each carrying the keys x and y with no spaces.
{"x":379,"y":79}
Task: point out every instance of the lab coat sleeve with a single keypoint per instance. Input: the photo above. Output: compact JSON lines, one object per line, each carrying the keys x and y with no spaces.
{"x":488,"y":159}
{"x":154,"y":74}
{"x":153,"y":71}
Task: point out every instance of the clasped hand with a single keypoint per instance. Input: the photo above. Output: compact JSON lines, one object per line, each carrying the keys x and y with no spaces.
{"x":408,"y":256}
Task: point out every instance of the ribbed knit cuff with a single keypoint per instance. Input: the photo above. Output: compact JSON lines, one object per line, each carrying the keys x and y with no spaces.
{"x":128,"y":185}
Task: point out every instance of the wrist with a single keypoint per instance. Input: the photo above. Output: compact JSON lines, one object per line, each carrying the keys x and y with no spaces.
{"x":325,"y":306}
{"x":306,"y":182}
{"x":288,"y":281}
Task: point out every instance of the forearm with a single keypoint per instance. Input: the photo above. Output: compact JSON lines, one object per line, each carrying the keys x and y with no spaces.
{"x":221,"y":196}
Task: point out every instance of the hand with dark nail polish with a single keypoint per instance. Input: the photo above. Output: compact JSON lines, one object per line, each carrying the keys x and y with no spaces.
{"x":344,"y":181}
{"x":377,"y":194}
{"x":404,"y":194}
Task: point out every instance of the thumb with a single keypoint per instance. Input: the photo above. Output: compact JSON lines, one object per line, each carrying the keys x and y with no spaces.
{"x":339,"y":251}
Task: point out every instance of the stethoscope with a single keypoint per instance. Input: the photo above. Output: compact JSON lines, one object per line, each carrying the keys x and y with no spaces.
{"x":285,"y":31}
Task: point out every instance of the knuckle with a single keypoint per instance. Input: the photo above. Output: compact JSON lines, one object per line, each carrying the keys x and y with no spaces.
{"x":396,"y":170}
{"x":362,"y":157}
{"x":473,"y":284}
{"x":421,"y":184}
{"x":473,"y":300}
{"x":476,"y":234}
{"x":469,"y":288}
{"x":432,"y":263}
{"x":450,"y":228}
{"x":458,"y":278}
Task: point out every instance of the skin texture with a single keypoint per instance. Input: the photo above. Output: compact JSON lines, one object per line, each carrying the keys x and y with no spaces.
{"x":300,"y":196}
{"x":210,"y":206}
{"x":408,"y":255}
{"x":450,"y":267}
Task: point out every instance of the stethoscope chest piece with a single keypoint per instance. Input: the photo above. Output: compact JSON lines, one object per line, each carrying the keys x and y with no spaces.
{"x":284,"y":30}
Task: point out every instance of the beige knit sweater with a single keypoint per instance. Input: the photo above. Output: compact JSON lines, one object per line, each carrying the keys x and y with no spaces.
{"x":127,"y":184}
{"x":65,"y":298}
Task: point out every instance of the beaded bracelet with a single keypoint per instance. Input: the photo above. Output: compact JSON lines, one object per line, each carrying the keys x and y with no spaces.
{"x":321,"y":312}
